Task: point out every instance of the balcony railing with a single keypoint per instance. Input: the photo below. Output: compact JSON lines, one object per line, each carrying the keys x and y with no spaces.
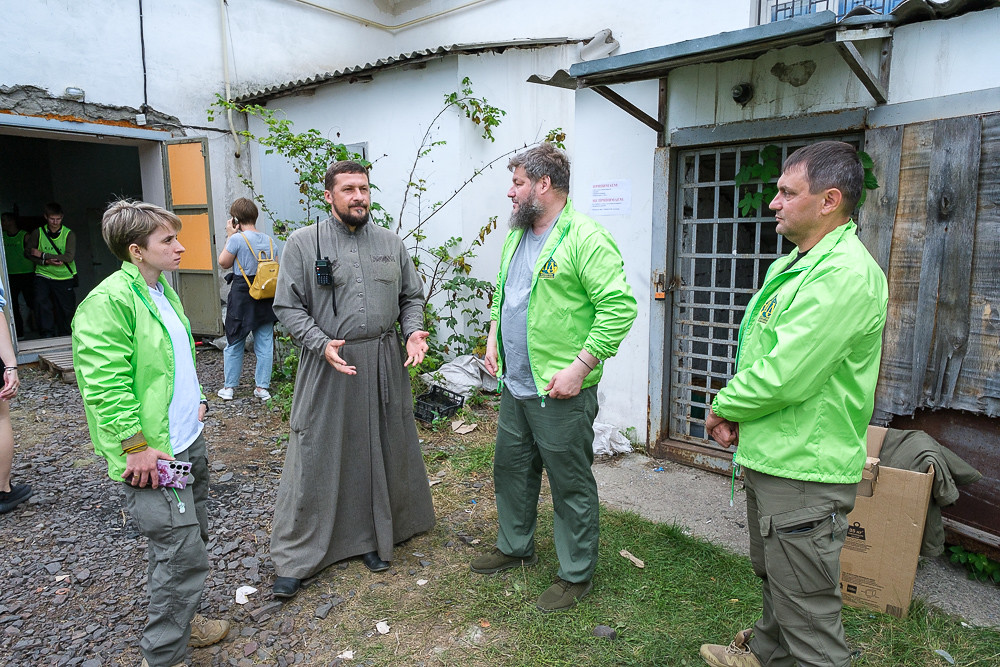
{"x":777,"y":10}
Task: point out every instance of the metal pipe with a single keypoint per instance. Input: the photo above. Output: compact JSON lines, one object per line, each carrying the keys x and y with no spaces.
{"x":225,"y":73}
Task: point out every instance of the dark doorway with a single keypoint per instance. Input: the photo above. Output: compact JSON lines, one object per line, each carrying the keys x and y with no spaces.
{"x":82,"y":176}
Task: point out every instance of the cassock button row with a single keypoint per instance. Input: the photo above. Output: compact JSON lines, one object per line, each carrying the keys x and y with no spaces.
{"x":357,"y":280}
{"x":354,"y":249}
{"x":356,"y":265}
{"x":362,"y":310}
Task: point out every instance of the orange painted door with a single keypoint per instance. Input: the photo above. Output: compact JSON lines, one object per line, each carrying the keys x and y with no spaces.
{"x":189,"y":193}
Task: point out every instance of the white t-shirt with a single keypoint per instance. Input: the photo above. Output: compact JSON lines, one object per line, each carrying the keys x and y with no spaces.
{"x":183,"y":412}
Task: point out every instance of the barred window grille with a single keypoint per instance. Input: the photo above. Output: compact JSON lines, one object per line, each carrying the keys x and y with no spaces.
{"x":721,"y":258}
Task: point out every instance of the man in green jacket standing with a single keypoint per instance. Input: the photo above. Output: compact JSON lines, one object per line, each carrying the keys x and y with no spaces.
{"x":799,"y":406}
{"x":561,"y":307}
{"x":52,"y":248}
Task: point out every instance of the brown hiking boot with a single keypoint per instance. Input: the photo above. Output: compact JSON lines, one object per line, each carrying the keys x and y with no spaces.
{"x":207,"y":631}
{"x":496,"y":560}
{"x":562,"y":595}
{"x":737,"y":654}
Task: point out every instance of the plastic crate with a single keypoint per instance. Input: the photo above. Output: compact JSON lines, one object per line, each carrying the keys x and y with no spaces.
{"x":437,"y":403}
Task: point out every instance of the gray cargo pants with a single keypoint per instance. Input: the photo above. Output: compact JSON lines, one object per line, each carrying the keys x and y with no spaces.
{"x":178,"y":561}
{"x":797,"y":530}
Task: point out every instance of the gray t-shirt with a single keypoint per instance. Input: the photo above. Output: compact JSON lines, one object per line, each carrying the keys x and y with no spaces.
{"x":248,"y":260}
{"x":514,"y":314}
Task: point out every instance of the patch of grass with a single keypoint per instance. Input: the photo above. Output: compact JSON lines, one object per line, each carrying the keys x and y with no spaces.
{"x":473,"y":459}
{"x":689,"y":592}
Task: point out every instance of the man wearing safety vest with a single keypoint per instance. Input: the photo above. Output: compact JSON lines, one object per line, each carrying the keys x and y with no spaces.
{"x":20,"y":270}
{"x":52,"y":248}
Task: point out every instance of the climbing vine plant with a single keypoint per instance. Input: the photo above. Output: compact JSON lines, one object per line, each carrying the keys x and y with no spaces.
{"x":445,"y":266}
{"x":757,"y":180}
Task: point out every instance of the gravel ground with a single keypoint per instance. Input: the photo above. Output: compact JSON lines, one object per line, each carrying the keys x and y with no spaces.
{"x":74,"y":569}
{"x":74,"y":565}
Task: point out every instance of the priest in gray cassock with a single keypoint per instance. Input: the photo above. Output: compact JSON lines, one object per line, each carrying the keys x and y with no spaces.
{"x":354,"y":481}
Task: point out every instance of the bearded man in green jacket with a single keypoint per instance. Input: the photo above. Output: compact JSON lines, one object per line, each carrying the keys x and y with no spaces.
{"x":799,"y":406}
{"x":561,"y":307}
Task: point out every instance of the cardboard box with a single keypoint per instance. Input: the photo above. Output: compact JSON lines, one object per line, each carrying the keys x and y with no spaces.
{"x":879,"y":560}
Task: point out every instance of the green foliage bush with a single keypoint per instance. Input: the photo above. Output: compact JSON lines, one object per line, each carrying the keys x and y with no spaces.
{"x":979,"y":565}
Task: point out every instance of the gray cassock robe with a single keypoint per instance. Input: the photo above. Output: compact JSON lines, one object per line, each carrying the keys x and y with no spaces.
{"x":354,"y":479}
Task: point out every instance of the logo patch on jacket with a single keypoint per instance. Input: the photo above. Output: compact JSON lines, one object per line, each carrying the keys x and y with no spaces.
{"x":767,"y":310}
{"x":549,"y":269}
{"x":383,"y":258}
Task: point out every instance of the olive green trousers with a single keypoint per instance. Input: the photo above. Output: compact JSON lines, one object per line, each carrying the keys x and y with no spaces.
{"x":797,"y":530}
{"x":557,"y":435}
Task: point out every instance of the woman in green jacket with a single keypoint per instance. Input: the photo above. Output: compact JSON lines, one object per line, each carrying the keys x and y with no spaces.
{"x":134,"y":359}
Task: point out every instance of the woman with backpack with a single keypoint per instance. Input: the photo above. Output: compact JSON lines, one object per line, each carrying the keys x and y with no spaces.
{"x":245,"y":313}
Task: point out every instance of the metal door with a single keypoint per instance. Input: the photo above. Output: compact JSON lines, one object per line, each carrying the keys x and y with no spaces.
{"x":188,"y":193}
{"x":721,"y":257}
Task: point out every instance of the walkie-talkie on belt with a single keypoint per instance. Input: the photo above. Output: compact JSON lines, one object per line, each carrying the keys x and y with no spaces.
{"x":324,"y":272}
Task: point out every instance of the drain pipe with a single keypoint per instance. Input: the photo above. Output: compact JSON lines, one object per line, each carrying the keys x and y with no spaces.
{"x":389,"y":28}
{"x":225,"y":73}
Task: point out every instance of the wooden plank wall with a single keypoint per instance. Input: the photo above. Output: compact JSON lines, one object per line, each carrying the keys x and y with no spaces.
{"x":939,"y":240}
{"x":875,"y":221}
{"x":983,"y":358}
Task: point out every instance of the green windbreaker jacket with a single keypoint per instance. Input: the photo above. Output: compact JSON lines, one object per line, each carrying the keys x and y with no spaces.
{"x":579,"y":298}
{"x":807,"y":363}
{"x":124,"y":364}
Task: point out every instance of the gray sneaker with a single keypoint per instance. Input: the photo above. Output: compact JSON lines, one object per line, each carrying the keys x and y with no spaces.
{"x":563,"y":595}
{"x":496,"y":560}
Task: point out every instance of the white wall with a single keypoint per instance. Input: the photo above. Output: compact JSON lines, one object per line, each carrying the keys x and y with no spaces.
{"x":938,"y":58}
{"x":611,"y":145}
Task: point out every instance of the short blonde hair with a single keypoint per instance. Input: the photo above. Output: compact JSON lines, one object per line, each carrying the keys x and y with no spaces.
{"x":127,"y":221}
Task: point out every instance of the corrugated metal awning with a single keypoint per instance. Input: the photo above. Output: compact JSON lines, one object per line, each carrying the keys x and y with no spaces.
{"x":358,"y":72}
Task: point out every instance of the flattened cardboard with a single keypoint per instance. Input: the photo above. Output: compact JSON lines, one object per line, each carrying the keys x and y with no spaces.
{"x":879,"y":561}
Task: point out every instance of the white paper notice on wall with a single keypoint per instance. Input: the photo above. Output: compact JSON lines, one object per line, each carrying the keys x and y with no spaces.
{"x":611,"y":198}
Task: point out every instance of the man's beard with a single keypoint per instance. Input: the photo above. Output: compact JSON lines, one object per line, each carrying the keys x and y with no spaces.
{"x":352,"y":220}
{"x":527,"y":214}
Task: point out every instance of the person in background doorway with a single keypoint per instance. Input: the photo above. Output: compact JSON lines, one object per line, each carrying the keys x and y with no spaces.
{"x":11,"y":495}
{"x":20,"y":269}
{"x":244,"y":314}
{"x":562,"y":306}
{"x":52,"y":248}
{"x":798,"y":410}
{"x":135,"y":365}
